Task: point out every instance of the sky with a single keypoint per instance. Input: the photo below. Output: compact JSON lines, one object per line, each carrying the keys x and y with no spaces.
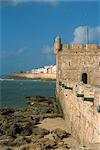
{"x":28,"y":29}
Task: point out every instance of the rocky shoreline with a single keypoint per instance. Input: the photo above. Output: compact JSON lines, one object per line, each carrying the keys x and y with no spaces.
{"x":19,"y":130}
{"x":22,"y":129}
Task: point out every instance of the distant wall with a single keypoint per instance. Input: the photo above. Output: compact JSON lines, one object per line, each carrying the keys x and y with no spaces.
{"x":35,"y":75}
{"x":80,"y":104}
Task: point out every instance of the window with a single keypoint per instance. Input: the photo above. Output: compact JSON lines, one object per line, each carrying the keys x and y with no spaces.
{"x":84,"y":78}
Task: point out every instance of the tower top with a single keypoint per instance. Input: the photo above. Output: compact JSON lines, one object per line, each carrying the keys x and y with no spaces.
{"x":57,"y":45}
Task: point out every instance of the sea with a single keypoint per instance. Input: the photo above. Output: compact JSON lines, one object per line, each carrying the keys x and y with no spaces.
{"x":13,"y":92}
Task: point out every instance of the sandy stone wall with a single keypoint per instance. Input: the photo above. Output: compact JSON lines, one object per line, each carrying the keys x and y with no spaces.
{"x":78,"y":64}
{"x":80,"y":106}
{"x":75,"y":62}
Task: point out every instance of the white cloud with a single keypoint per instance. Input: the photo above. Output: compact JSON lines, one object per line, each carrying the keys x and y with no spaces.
{"x":48,"y":53}
{"x":47,"y":50}
{"x":15,"y":2}
{"x":13,"y":53}
{"x":82,"y":34}
{"x":53,"y":2}
{"x":21,"y":50}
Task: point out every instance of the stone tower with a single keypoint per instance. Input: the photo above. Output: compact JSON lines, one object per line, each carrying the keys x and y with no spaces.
{"x":77,"y":62}
{"x":78,"y":70}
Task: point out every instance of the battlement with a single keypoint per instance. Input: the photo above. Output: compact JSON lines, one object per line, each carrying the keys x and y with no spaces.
{"x":58,"y":46}
{"x":80,"y":46}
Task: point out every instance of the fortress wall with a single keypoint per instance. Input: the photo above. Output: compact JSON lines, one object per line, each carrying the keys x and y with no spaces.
{"x":75,"y":62}
{"x":97,"y":76}
{"x":78,"y":64}
{"x":82,"y":115}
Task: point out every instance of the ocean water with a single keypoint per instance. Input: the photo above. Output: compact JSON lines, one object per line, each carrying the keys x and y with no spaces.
{"x":13,"y":93}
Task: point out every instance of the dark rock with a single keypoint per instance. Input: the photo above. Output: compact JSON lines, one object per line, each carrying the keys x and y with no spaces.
{"x":27,"y":131}
{"x":28,"y":139}
{"x":8,"y":148}
{"x":18,"y":126}
{"x":34,"y":146}
{"x":6,"y":141}
{"x":64,"y":146}
{"x":7,"y":111}
{"x":34,"y":120}
{"x":20,"y":141}
{"x":1,"y":132}
{"x":59,"y":133}
{"x":10,"y":142}
{"x":14,"y":130}
{"x":40,"y":131}
{"x":35,"y":138}
{"x":47,"y":144}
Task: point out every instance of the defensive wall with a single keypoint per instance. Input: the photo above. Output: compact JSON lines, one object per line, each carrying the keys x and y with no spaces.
{"x":81,"y":107}
{"x":78,"y":70}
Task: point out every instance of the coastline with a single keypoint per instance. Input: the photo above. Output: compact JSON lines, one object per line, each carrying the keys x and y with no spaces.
{"x":34,"y":76}
{"x":39,"y":127}
{"x":20,"y":128}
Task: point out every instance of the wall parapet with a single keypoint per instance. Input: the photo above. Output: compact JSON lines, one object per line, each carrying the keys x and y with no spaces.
{"x":80,"y":46}
{"x":82,"y":104}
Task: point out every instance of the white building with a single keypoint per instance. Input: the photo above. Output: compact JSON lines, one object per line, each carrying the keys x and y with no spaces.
{"x":45,"y":69}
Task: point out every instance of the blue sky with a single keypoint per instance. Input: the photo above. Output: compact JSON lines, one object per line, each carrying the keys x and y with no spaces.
{"x":28,"y":30}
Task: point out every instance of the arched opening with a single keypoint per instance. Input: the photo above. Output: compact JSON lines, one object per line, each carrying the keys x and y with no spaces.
{"x":84,"y":78}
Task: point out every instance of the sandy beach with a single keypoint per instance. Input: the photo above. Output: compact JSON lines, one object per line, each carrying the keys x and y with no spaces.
{"x":54,"y":123}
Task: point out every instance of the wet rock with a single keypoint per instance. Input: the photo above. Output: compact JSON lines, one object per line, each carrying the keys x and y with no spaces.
{"x":14,"y":130}
{"x":1,"y":132}
{"x":5,"y":148}
{"x":40,"y":131}
{"x":47,"y":144}
{"x":7,"y":111}
{"x":6,"y":141}
{"x":60,"y":134}
{"x":18,"y":126}
{"x":34,"y":146}
{"x":62,"y":146}
{"x":8,"y":148}
{"x":43,"y":105}
{"x":27,"y":131}
{"x":20,"y":141}
{"x":34,"y":120}
{"x":36,"y":99}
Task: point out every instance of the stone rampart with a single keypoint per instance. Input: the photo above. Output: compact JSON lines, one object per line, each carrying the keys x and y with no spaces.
{"x":77,"y":64}
{"x":81,"y":106}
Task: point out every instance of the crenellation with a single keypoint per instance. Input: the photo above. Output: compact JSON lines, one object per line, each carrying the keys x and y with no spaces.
{"x":91,"y":46}
{"x":65,"y":47}
{"x":77,"y":46}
